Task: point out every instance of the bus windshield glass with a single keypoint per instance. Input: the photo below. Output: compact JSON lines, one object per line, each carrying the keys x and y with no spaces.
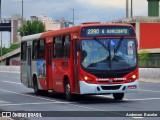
{"x":108,"y":54}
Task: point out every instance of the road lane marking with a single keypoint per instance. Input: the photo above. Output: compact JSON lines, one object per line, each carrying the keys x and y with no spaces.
{"x":1,"y":102}
{"x":69,"y":103}
{"x":148,"y":90}
{"x":142,"y":99}
{"x":28,"y":95}
{"x":11,"y":82}
{"x":126,"y":99}
{"x":55,"y":101}
{"x":137,"y":117}
{"x":37,"y":103}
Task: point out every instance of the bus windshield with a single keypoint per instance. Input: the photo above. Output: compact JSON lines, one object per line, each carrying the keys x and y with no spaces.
{"x":108,"y":54}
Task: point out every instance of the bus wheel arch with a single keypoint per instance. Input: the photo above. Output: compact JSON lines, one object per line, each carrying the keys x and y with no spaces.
{"x":67,"y":88}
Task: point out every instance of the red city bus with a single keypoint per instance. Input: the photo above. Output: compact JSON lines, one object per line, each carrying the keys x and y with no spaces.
{"x":91,"y":58}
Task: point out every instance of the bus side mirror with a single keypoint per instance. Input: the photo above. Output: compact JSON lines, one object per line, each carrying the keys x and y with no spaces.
{"x":78,"y":46}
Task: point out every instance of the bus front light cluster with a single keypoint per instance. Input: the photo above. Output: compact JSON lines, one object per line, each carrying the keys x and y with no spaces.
{"x":133,"y":78}
{"x":87,"y":79}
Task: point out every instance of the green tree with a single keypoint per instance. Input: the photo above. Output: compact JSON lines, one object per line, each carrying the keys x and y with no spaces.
{"x":143,"y":55}
{"x":143,"y":58}
{"x":15,"y":45}
{"x":12,"y":47}
{"x":31,"y":27}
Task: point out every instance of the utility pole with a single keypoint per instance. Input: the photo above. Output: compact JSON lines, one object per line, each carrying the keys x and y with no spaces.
{"x":21,"y":20}
{"x":0,"y":9}
{"x":126,"y":8}
{"x":1,"y":47}
{"x":131,"y":8}
{"x":73,"y":15}
{"x":22,"y":14}
{"x":1,"y":33}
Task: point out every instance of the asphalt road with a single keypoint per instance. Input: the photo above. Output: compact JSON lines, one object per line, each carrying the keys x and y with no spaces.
{"x":16,"y":97}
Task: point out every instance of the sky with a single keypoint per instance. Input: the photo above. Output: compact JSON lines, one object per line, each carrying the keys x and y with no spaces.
{"x":85,"y":10}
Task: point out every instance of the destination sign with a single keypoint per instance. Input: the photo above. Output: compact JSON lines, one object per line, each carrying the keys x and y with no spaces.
{"x":107,"y":31}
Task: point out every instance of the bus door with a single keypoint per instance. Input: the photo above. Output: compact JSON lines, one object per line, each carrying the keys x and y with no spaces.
{"x":29,"y":66}
{"x":76,"y":79}
{"x":49,"y":66}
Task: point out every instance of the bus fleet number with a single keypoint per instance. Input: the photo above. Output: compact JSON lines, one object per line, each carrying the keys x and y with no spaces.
{"x":93,"y":31}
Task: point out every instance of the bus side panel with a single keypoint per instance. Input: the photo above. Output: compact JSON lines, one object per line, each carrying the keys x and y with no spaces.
{"x":34,"y":70}
{"x":24,"y":73}
{"x":40,"y":71}
{"x":57,"y":75}
{"x":60,"y":69}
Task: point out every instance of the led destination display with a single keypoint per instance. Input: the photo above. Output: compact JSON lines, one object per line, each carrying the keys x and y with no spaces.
{"x":107,"y":31}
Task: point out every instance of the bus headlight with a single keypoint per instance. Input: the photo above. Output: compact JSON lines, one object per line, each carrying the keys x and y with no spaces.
{"x":134,"y":76}
{"x":85,"y":78}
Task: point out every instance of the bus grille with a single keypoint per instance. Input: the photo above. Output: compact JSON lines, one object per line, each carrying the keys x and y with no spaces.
{"x":111,"y":87}
{"x":117,"y":75}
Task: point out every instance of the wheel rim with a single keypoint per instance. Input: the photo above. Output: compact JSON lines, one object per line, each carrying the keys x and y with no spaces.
{"x":67,"y":91}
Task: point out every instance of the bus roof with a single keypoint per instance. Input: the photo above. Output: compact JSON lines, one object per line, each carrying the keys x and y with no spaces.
{"x":68,"y":30}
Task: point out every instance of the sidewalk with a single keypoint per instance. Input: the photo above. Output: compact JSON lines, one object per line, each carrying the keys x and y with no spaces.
{"x":149,"y":80}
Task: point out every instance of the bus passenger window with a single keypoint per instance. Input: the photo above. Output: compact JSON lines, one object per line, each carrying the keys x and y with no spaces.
{"x":23,"y":51}
{"x":34,"y":49}
{"x":66,"y":46}
{"x":41,"y":49}
{"x":57,"y":47}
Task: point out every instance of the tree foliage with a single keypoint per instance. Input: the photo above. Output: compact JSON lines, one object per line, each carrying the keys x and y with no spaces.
{"x":31,"y":27}
{"x":143,"y":55}
{"x":12,"y":47}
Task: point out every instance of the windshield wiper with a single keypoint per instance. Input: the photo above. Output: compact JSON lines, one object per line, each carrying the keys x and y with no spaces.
{"x":119,"y":44}
{"x":104,"y":46}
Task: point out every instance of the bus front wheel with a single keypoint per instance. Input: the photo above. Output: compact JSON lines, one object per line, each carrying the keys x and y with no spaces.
{"x":68,"y":94}
{"x":118,"y":96}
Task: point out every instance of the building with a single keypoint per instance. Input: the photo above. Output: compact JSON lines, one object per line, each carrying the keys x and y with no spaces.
{"x":13,"y":58}
{"x":147,"y":31}
{"x":11,"y":25}
{"x":49,"y":23}
{"x":54,"y":25}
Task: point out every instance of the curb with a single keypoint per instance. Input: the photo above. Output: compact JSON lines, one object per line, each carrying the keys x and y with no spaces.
{"x":9,"y":72}
{"x":149,"y":80}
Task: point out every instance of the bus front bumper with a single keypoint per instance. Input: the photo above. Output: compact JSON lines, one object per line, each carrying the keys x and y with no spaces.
{"x":86,"y":88}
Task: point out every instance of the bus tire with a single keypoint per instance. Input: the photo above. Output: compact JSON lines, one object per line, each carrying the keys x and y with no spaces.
{"x":118,"y":96}
{"x":67,"y":91}
{"x":35,"y":86}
